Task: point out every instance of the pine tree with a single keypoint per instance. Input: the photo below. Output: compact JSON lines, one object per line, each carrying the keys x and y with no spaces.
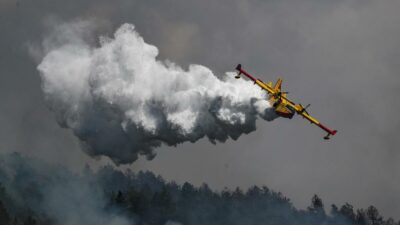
{"x":4,"y":216}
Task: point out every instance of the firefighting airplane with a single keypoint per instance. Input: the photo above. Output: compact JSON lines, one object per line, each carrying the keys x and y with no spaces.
{"x":282,"y":105}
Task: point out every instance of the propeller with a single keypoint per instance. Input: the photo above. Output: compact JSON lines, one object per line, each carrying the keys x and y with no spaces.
{"x":304,"y":109}
{"x":279,"y":94}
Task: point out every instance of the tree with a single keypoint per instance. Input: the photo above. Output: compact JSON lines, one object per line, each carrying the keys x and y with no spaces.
{"x":317,"y":206}
{"x":347,"y":211}
{"x":137,"y":202}
{"x":119,"y":199}
{"x":361,"y":217}
{"x":188,"y":190}
{"x":254,"y":192}
{"x":317,"y":202}
{"x":390,"y":221}
{"x":334,"y":210}
{"x":373,"y":216}
{"x":162,"y":207}
{"x":29,"y":221}
{"x":4,"y":216}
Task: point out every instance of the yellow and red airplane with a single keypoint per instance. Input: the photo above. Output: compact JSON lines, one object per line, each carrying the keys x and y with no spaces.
{"x":282,"y":105}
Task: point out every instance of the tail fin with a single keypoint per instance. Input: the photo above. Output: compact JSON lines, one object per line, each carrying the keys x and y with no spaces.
{"x":278,"y":85}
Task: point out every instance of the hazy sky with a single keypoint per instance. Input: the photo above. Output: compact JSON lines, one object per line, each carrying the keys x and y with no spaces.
{"x":340,"y":56}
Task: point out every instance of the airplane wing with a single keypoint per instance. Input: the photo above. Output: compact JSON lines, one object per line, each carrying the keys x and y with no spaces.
{"x":305,"y":115}
{"x":259,"y":82}
{"x":303,"y":112}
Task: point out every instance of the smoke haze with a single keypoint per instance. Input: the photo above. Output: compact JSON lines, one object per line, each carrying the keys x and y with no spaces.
{"x":34,"y":192}
{"x":340,"y":56}
{"x":53,"y":191}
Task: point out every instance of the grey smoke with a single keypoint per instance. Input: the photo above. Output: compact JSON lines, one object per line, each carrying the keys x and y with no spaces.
{"x":121,"y":101}
{"x":51,"y":190}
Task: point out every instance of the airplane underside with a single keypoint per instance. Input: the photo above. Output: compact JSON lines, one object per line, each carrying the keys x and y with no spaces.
{"x":284,"y":114}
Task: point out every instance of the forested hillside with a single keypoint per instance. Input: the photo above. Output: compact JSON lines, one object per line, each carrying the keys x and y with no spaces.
{"x":36,"y":193}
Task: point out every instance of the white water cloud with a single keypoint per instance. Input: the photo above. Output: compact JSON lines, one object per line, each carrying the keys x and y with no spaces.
{"x":121,"y":101}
